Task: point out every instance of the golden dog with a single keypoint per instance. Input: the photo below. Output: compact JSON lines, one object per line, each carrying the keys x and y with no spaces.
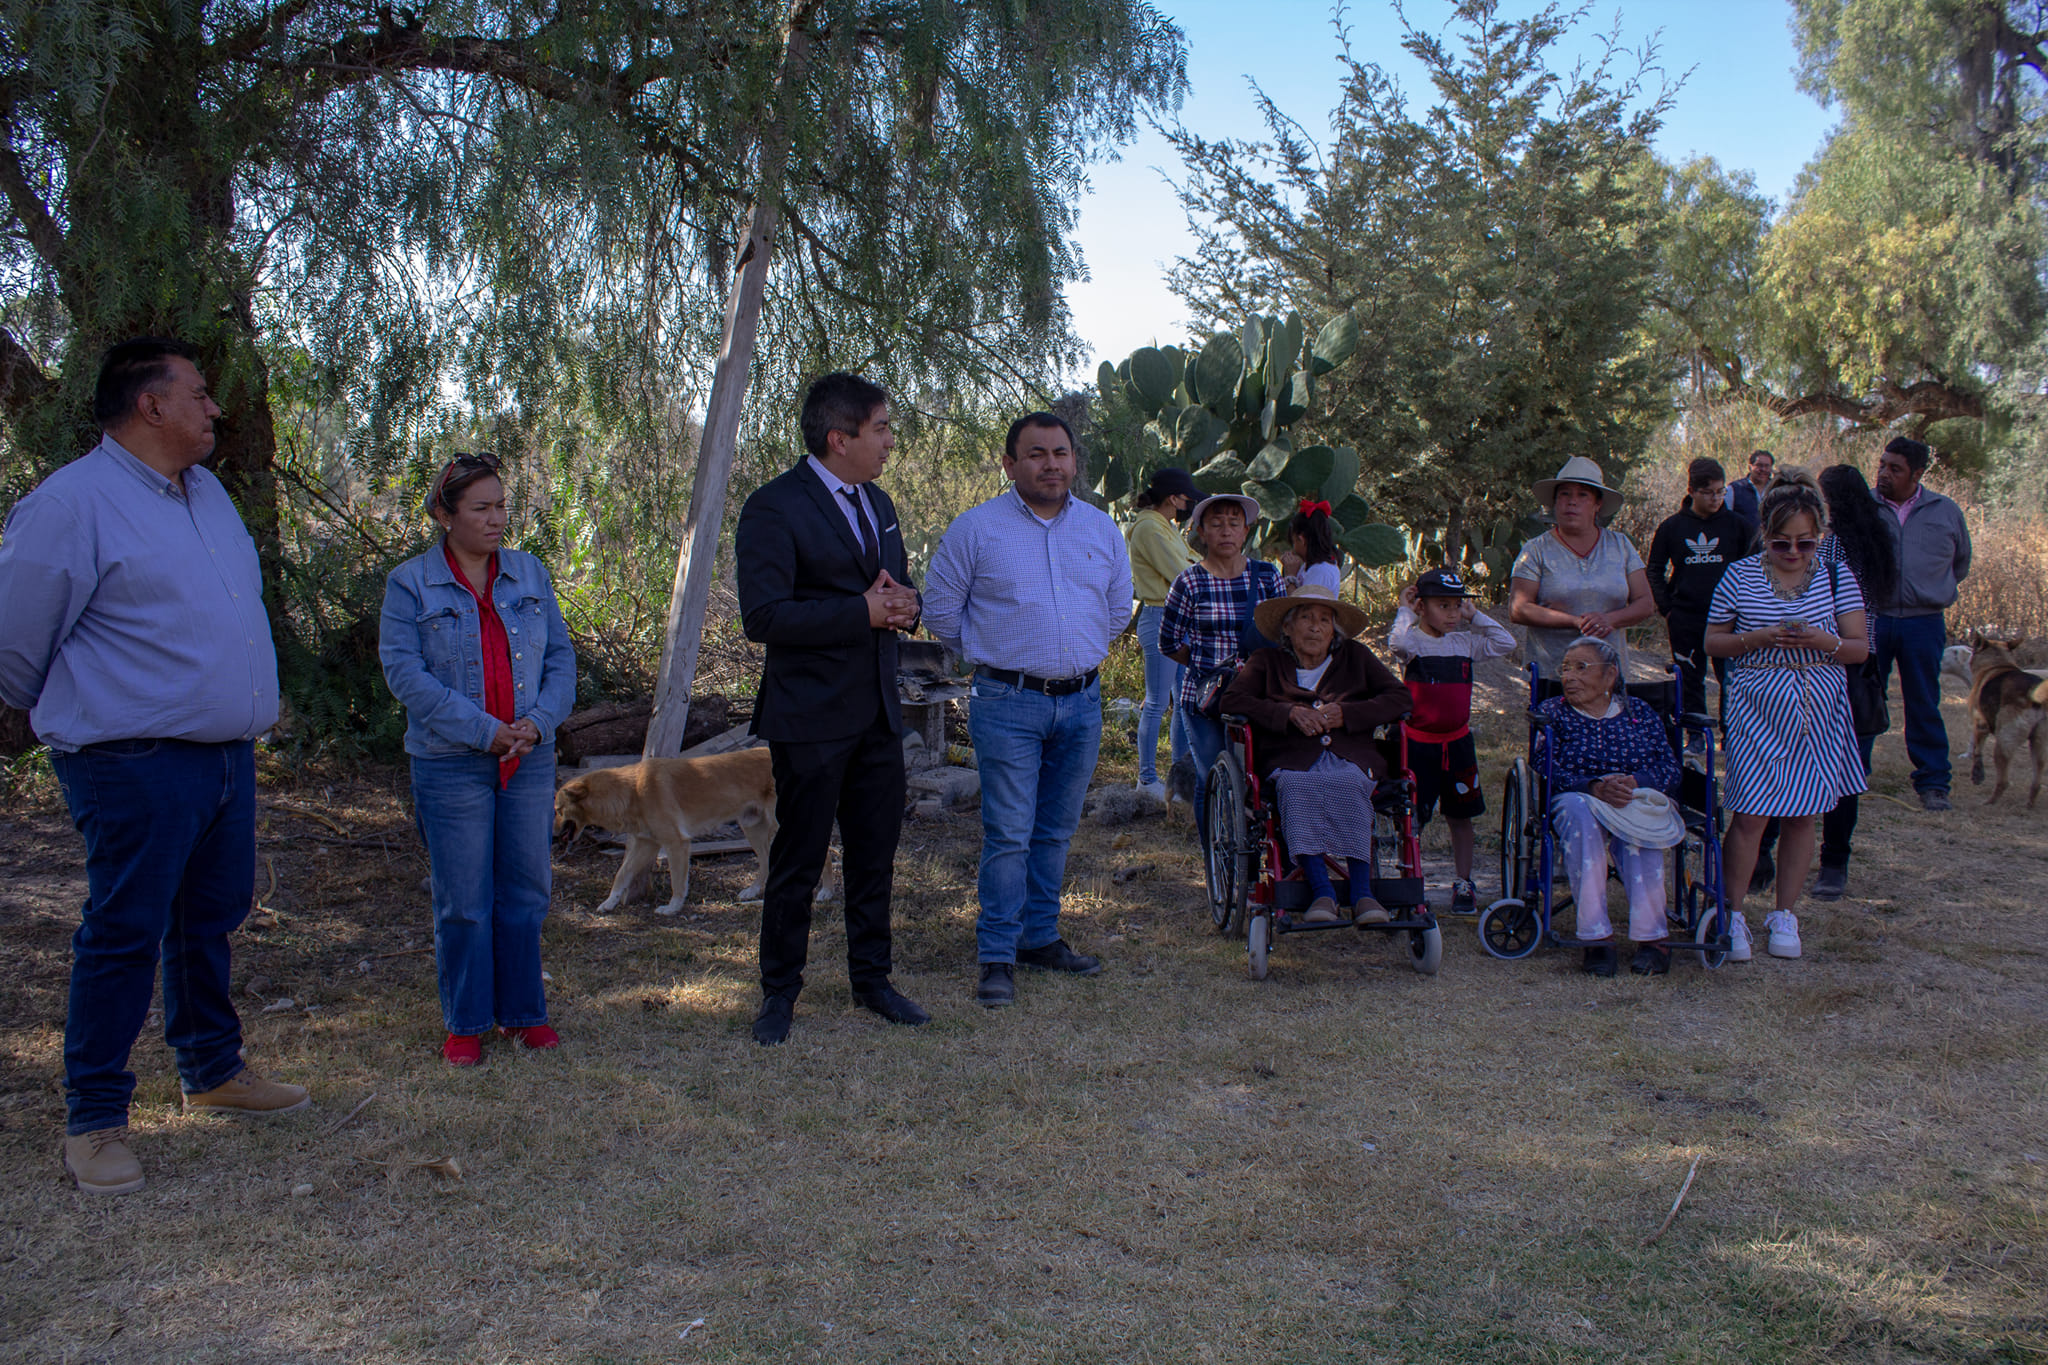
{"x":660,"y":803}
{"x":2008,"y":706}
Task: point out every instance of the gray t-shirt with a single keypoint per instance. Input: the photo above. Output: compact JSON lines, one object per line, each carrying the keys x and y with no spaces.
{"x":1566,"y":581}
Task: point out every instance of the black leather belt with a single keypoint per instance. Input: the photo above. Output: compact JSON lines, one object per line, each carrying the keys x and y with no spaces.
{"x":1052,"y":687}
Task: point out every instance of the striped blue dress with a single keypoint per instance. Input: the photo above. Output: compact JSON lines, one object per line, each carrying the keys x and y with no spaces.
{"x":1791,"y":742}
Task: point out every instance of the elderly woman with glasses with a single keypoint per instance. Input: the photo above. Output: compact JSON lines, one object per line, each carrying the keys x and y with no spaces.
{"x":1790,"y":625}
{"x":1314,"y":703}
{"x":1611,"y":777}
{"x":474,"y":647}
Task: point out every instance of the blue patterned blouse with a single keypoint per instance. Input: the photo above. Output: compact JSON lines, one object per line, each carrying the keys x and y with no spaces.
{"x":1633,"y":742}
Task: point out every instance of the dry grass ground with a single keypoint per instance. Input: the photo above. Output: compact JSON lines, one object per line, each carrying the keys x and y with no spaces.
{"x":1347,"y":1162}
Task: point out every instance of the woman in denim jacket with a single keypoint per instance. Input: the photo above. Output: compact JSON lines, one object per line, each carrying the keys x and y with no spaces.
{"x":483,"y":693}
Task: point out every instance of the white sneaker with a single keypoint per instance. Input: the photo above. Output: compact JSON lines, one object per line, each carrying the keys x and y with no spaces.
{"x":1155,"y":789}
{"x":1784,"y":927}
{"x":1738,"y":936}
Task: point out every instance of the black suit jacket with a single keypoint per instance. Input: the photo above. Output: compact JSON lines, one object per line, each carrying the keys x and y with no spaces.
{"x":801,"y":582}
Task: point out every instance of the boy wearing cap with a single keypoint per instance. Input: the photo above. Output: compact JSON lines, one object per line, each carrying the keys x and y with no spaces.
{"x":1433,"y":628}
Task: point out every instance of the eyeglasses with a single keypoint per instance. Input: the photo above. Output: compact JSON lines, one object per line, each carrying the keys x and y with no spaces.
{"x":1803,"y":545}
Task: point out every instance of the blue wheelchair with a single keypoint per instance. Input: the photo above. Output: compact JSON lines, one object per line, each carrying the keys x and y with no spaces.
{"x":1523,"y":919}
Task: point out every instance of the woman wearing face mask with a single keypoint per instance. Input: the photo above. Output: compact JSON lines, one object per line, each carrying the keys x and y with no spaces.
{"x":1578,"y":578}
{"x":474,"y":646}
{"x":1788,"y":631}
{"x":1208,"y":614}
{"x":1158,"y":554}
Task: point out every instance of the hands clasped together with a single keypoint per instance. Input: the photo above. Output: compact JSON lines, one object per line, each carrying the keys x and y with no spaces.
{"x":515,"y":740}
{"x":1324,"y":718}
{"x":891,"y":606}
{"x":1616,"y":789}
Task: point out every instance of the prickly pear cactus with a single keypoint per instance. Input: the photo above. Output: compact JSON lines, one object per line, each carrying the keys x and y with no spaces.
{"x":1224,"y":412}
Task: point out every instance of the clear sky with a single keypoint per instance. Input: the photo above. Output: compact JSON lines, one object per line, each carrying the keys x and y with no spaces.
{"x":1739,"y":103}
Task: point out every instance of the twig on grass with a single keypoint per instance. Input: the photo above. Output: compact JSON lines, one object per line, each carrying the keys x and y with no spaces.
{"x":310,"y":815}
{"x":1651,"y":1240}
{"x":331,"y":1129}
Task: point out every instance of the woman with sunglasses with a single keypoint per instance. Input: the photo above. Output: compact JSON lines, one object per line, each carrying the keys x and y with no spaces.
{"x":474,"y":647}
{"x":1788,"y":631}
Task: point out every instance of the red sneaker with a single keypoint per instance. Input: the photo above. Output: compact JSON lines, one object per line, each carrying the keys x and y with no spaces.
{"x":463,"y":1049}
{"x":537,"y":1036}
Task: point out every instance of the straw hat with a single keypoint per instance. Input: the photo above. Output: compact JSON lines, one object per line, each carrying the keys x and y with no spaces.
{"x":1580,"y":470}
{"x":1272,"y":612}
{"x":1649,"y":820}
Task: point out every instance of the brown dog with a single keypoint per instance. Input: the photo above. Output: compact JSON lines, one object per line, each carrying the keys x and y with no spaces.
{"x":659,"y":803}
{"x":2008,"y":705}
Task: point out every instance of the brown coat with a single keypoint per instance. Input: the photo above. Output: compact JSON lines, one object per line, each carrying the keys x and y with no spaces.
{"x":1264,"y":692}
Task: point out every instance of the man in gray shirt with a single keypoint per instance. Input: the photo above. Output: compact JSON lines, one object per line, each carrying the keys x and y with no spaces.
{"x":132,"y":631}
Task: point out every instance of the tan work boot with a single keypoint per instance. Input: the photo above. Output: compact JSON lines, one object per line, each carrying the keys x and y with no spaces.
{"x":101,"y":1163}
{"x":248,"y":1093}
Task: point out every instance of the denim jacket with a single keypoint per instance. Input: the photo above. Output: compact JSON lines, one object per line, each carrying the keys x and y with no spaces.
{"x":432,"y":651}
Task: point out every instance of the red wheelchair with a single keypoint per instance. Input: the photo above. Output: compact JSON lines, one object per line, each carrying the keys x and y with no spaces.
{"x":1256,"y":891}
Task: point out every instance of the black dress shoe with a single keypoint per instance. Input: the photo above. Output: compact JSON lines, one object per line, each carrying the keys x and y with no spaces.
{"x":1651,"y":960}
{"x":1056,"y":956}
{"x":1830,"y":884}
{"x":892,"y":1005}
{"x":771,"y":1025}
{"x":1599,"y":960}
{"x":1766,"y":873}
{"x":998,"y":985}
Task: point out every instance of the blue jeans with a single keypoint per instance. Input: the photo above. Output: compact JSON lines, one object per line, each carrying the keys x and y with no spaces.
{"x":490,"y":852}
{"x":1035,"y":754}
{"x":1162,"y":684}
{"x":1205,"y":740}
{"x":170,"y":870}
{"x":1915,"y":643}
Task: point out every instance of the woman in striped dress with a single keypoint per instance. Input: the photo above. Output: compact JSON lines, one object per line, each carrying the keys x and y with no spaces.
{"x":1790,"y":627}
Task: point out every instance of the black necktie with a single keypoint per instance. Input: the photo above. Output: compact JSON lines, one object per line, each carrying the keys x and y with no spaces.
{"x":870,"y":546}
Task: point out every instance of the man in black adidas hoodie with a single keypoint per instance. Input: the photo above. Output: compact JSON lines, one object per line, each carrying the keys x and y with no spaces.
{"x":1690,"y":553}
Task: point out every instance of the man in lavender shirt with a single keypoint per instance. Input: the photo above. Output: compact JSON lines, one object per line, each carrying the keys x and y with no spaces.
{"x":132,"y":631}
{"x":1030,"y":587}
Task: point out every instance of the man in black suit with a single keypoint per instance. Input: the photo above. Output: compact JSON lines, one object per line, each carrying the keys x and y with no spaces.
{"x":823,"y":583}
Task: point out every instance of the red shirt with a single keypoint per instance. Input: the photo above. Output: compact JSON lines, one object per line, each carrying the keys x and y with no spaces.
{"x":497,"y":648}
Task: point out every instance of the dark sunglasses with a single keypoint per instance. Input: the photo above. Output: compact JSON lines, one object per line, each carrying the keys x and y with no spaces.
{"x":1803,"y":545}
{"x":464,"y":459}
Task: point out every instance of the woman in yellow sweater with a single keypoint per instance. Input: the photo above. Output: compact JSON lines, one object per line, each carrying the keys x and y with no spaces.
{"x":1158,"y":554}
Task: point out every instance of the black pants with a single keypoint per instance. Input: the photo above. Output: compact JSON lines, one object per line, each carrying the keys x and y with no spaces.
{"x":1689,"y":652}
{"x":1837,"y":827}
{"x":858,"y":780}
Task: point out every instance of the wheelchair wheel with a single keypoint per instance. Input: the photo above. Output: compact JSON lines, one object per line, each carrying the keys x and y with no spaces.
{"x":1517,"y":850}
{"x":1257,"y":940}
{"x":1426,"y":949}
{"x":1705,"y":934}
{"x":1508,"y":930}
{"x":1228,"y":858}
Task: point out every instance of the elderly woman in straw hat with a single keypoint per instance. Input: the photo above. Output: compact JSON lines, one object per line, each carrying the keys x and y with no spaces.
{"x":1578,"y":578}
{"x":1314,"y":703}
{"x":1611,"y":779}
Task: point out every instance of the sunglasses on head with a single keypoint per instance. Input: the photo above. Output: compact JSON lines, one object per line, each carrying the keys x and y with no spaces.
{"x":464,"y":459}
{"x":1803,"y":545}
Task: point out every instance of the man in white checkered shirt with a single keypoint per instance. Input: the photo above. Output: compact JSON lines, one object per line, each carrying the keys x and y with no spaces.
{"x":1030,"y":587}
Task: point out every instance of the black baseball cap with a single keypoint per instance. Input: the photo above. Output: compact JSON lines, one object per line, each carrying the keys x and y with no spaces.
{"x":1441,"y":583}
{"x":1169,"y":481}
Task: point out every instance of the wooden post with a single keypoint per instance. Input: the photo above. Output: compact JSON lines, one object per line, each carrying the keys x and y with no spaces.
{"x":698,"y":557}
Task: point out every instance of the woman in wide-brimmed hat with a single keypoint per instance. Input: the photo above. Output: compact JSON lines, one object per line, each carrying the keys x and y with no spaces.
{"x":1578,"y":578}
{"x":1314,"y":702}
{"x":1208,"y":610}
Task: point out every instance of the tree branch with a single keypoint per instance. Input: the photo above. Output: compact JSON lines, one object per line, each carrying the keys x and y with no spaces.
{"x":43,"y":233}
{"x":22,"y":381}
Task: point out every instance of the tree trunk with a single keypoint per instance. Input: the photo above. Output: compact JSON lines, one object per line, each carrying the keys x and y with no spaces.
{"x":715,"y":450}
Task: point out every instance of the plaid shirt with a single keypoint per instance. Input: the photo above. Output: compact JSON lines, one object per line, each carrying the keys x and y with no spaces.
{"x":1209,"y":616}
